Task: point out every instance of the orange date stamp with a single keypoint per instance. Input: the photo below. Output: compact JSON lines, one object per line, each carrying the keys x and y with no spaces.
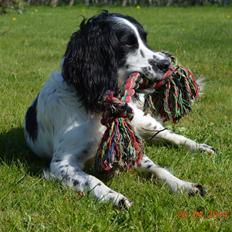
{"x":210,"y":214}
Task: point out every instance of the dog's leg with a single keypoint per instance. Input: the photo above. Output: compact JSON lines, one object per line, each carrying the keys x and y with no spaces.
{"x":69,"y":172}
{"x":149,"y":127}
{"x":165,"y":176}
{"x":177,"y":139}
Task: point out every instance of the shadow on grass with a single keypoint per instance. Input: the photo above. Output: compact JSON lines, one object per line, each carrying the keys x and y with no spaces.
{"x":13,"y":150}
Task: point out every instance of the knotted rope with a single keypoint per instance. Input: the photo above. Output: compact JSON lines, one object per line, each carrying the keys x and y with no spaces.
{"x":121,"y":146}
{"x":174,"y":94}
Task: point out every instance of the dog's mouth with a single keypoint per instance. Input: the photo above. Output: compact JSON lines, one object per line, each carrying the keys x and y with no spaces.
{"x":146,"y":85}
{"x":148,"y":81}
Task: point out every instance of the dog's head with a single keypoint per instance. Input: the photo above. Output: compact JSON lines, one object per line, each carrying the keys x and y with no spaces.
{"x":106,"y":49}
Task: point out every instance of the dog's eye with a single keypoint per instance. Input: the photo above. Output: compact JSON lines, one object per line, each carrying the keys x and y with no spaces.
{"x":130,"y":40}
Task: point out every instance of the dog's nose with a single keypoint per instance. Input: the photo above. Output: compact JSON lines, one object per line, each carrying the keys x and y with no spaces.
{"x":163,"y":64}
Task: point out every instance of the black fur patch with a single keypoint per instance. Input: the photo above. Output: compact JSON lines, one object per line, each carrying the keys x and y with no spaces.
{"x":142,"y":54}
{"x":86,"y":183}
{"x":85,"y":151}
{"x":76,"y":182}
{"x":31,"y":121}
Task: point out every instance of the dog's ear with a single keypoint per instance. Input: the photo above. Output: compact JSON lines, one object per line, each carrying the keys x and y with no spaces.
{"x":91,"y":62}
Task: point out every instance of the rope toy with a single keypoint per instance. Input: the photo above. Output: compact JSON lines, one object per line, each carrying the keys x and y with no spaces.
{"x":121,"y":147}
{"x":174,"y":94}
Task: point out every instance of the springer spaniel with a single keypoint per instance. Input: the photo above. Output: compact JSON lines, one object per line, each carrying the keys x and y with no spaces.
{"x":63,"y":123}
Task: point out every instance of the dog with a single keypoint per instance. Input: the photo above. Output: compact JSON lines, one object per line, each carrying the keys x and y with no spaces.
{"x":63,"y":123}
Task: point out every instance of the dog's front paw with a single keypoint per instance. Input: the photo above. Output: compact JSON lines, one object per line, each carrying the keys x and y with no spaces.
{"x":124,"y":203}
{"x":118,"y":200}
{"x":206,"y":148}
{"x":197,"y":189}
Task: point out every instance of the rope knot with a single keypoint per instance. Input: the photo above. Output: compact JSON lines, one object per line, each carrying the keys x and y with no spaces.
{"x":120,"y":147}
{"x":174,"y":93}
{"x":115,"y":108}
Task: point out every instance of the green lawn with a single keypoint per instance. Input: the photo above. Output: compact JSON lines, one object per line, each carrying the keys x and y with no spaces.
{"x":31,"y":46}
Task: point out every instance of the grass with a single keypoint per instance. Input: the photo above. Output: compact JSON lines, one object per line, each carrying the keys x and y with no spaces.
{"x":31,"y":46}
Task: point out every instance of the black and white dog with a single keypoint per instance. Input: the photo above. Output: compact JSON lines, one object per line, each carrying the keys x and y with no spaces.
{"x":63,"y":123}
